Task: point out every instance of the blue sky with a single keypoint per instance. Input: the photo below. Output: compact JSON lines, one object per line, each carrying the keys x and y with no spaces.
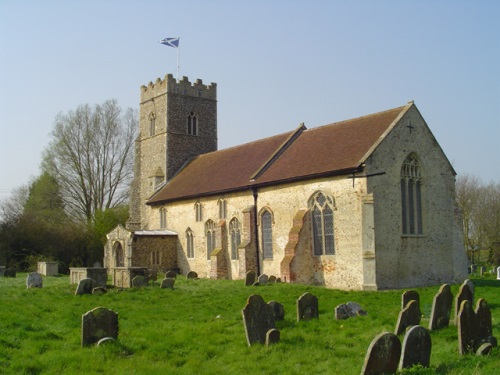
{"x":276,"y":63}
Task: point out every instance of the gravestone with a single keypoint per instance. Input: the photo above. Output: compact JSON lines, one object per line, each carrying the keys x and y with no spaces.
{"x":484,"y":322}
{"x":471,"y":287}
{"x":484,"y":349}
{"x":441,"y":308}
{"x":473,"y":268}
{"x":467,"y":326}
{"x":272,"y":279}
{"x":250,"y":278}
{"x":258,"y":319}
{"x":192,"y":275}
{"x":383,"y":355}
{"x":464,"y":294}
{"x":409,"y":316}
{"x":170,"y":274}
{"x":97,"y":324}
{"x":348,"y":310}
{"x":167,"y":283}
{"x":307,"y":307}
{"x":85,"y":286}
{"x":278,"y":309}
{"x":9,"y":272}
{"x":139,"y":281}
{"x":153,"y":276}
{"x":408,"y":296}
{"x":33,"y":280}
{"x":272,"y":336}
{"x":416,"y":348}
{"x":99,"y":290}
{"x":482,"y":270}
{"x":263,"y":279}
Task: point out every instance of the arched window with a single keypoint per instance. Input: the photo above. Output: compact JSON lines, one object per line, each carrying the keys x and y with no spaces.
{"x":189,"y":243}
{"x":234,"y":231}
{"x":321,"y":207}
{"x":119,"y":258}
{"x":266,"y":220}
{"x":152,"y":126}
{"x":163,"y":218}
{"x":411,"y":196}
{"x":210,"y":236}
{"x":192,"y":124}
{"x":198,"y":211}
{"x":222,"y":208}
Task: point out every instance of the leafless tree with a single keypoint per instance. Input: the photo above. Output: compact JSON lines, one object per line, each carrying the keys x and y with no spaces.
{"x":91,"y":156}
{"x":12,"y":207}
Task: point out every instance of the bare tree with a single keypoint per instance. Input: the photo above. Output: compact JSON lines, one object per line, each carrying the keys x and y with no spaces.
{"x":91,"y":156}
{"x":12,"y":207}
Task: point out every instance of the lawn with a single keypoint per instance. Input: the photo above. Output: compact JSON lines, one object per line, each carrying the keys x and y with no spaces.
{"x":197,"y":328}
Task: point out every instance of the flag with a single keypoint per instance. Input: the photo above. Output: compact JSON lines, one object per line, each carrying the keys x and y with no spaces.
{"x":171,"y":42}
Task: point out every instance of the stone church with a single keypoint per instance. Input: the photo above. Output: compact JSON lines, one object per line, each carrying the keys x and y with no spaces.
{"x":364,"y":204}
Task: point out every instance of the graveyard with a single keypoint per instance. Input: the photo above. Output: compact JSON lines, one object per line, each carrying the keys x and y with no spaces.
{"x":197,"y":326}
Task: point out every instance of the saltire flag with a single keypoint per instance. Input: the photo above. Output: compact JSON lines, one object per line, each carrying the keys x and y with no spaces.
{"x":171,"y":42}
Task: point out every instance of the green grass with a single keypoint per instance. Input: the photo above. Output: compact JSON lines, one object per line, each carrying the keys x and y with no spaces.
{"x":197,"y":329}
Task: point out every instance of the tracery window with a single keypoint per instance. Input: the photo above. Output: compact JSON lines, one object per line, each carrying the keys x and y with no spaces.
{"x":210,"y":237}
{"x":266,"y":220}
{"x":189,"y":243}
{"x":234,"y":231}
{"x":152,"y":126}
{"x":192,"y":124}
{"x":198,"y":211}
{"x":321,"y":207}
{"x":411,"y":196}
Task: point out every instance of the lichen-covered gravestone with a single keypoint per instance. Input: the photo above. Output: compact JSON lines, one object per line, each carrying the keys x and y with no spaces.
{"x":416,"y":348}
{"x":464,"y":294}
{"x":441,"y":308}
{"x":97,"y":324}
{"x":348,"y":310}
{"x":278,"y":309}
{"x":85,"y":286}
{"x":383,"y":355}
{"x":467,"y":326}
{"x":409,"y":316}
{"x":409,"y":295}
{"x":307,"y":307}
{"x":33,"y":280}
{"x":139,"y":281}
{"x":250,"y":278}
{"x":258,"y":319}
{"x":167,"y":283}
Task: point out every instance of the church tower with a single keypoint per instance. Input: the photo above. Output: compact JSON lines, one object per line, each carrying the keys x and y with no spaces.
{"x":177,"y":121}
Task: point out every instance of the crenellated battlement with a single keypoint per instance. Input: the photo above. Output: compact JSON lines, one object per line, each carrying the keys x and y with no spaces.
{"x":183,"y":87}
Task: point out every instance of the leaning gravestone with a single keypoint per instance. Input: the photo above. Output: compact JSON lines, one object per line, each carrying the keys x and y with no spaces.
{"x":409,"y":316}
{"x":258,"y":319}
{"x":192,"y":275}
{"x":278,"y":309}
{"x":33,"y":280}
{"x":464,"y":294}
{"x":383,"y":355}
{"x":97,"y":324}
{"x":139,"y":281}
{"x":467,"y":326}
{"x":85,"y":286}
{"x":250,"y":278}
{"x":307,"y":307}
{"x":263,"y":279}
{"x":441,"y":308}
{"x":9,"y":272}
{"x":416,"y":348}
{"x":167,"y":283}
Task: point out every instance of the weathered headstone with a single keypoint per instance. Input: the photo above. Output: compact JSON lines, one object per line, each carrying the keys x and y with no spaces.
{"x":482,"y":270}
{"x":33,"y":280}
{"x":409,"y":316}
{"x":153,"y":276}
{"x":167,"y":283}
{"x":307,"y":307}
{"x":348,"y":310}
{"x":408,"y":296}
{"x":278,"y":309}
{"x":272,"y":279}
{"x":471,"y":287}
{"x":467,"y":326}
{"x":170,"y":274}
{"x":464,"y":294}
{"x":250,"y":278}
{"x":263,"y":279}
{"x":473,"y":268}
{"x":441,"y":308}
{"x":192,"y":275}
{"x":383,"y":355}
{"x":272,"y":336}
{"x":258,"y":319}
{"x":139,"y":281}
{"x":99,"y":290}
{"x":97,"y":324}
{"x":85,"y":286}
{"x":9,"y":272}
{"x":416,"y":348}
{"x":484,"y":322}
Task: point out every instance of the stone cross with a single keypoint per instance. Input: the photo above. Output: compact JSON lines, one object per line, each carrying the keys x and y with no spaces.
{"x":441,"y":308}
{"x":416,"y":348}
{"x":258,"y":319}
{"x":383,"y":355}
{"x":97,"y":324}
{"x":307,"y":307}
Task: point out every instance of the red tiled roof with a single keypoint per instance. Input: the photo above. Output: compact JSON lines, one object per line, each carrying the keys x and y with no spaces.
{"x":300,"y":154}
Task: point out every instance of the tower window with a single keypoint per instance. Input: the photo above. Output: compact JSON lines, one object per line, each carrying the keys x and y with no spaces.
{"x":192,"y":124}
{"x":411,"y":196}
{"x":152,"y":126}
{"x":321,"y":206}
